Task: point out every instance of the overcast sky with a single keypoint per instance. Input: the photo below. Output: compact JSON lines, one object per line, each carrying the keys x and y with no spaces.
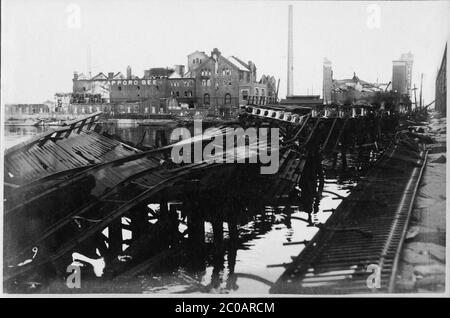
{"x":43,"y":44}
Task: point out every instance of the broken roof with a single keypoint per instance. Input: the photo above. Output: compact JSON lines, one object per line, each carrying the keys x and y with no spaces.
{"x":100,"y":76}
{"x":242,"y":66}
{"x":160,"y":72}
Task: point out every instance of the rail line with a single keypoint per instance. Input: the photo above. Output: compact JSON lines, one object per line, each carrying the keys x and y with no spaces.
{"x":357,"y":250}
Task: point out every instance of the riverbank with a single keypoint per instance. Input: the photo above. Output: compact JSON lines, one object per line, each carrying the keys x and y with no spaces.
{"x":44,"y":116}
{"x":422,"y":264}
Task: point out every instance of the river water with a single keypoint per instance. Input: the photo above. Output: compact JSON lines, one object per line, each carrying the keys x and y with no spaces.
{"x":260,"y":246}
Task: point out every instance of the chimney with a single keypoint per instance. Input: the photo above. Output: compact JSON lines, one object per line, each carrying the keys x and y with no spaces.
{"x":252,"y":72}
{"x":215,"y":52}
{"x":290,"y":66}
{"x":179,"y":69}
{"x":128,"y":72}
{"x":327,"y":80}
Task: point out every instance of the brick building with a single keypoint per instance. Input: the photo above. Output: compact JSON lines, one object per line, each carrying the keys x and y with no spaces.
{"x":212,"y":82}
{"x":117,"y":88}
{"x":223,"y":84}
{"x":441,"y":86}
{"x":62,"y":102}
{"x":402,"y":74}
{"x":27,"y":109}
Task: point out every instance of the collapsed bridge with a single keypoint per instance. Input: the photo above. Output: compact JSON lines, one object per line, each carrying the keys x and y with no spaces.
{"x":65,"y":187}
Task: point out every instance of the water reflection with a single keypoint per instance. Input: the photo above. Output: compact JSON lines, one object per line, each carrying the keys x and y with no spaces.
{"x":247,"y":267}
{"x":145,"y":136}
{"x":141,"y":136}
{"x":17,"y":134}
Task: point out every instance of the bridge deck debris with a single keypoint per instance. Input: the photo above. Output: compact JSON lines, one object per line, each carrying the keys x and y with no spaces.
{"x":95,"y":181}
{"x":43,"y":156}
{"x":365,"y":233}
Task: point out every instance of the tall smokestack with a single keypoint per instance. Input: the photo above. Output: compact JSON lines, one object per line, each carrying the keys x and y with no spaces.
{"x":327,"y":81}
{"x":290,"y":70}
{"x":129,"y":75}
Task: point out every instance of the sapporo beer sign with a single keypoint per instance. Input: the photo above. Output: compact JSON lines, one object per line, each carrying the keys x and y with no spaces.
{"x":135,"y":82}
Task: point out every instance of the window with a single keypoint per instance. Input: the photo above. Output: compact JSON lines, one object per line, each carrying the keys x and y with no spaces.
{"x":244,"y":93}
{"x":256,"y":92}
{"x":205,"y":72}
{"x":206,"y":99}
{"x":185,"y":93}
{"x":208,"y":82}
{"x":178,"y":94}
{"x":190,"y":94}
{"x":263,"y":92}
{"x":226,"y":72}
{"x":248,"y":77}
{"x":227,"y":99}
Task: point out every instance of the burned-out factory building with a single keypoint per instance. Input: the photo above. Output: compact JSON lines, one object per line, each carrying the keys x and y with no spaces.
{"x":354,"y":90}
{"x":211,"y":82}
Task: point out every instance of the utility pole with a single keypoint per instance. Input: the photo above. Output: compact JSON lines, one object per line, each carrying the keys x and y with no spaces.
{"x":290,"y":64}
{"x":278,"y":87}
{"x":421,"y":83}
{"x":415,"y":95}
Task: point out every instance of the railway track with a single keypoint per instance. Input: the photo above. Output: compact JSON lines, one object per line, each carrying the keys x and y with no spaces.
{"x":357,"y":250}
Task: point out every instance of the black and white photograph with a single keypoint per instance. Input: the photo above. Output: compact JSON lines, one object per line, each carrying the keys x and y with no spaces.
{"x":214,"y":149}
